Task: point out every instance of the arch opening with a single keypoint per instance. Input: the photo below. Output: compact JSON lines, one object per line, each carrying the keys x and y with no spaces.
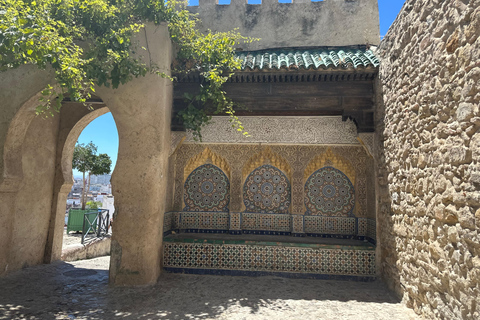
{"x":99,"y":128}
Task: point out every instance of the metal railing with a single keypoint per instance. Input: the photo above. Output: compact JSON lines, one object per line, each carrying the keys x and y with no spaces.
{"x":95,"y":224}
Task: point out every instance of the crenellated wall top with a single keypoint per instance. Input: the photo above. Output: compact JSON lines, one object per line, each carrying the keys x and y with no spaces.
{"x":300,"y":23}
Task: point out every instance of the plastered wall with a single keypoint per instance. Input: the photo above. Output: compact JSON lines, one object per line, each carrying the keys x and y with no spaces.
{"x":428,"y":157}
{"x":36,"y":166}
{"x":27,"y":168}
{"x":298,"y":24}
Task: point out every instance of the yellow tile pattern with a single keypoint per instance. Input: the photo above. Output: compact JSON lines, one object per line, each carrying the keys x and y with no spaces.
{"x":330,"y":159}
{"x":206,"y":156}
{"x":267,"y":156}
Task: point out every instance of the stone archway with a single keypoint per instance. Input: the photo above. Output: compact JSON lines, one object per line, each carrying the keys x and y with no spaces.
{"x":37,"y":177}
{"x":30,"y":194}
{"x":27,"y":168}
{"x":73,"y":119}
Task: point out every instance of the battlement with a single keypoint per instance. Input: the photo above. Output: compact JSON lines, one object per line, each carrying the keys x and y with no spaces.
{"x":297,"y":24}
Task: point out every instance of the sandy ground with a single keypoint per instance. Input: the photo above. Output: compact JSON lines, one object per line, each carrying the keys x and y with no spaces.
{"x":71,"y":238}
{"x":74,"y":238}
{"x":79,"y":290}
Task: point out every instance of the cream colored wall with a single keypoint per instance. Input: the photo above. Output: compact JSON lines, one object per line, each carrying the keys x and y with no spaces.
{"x":34,"y":197}
{"x":298,"y":24}
{"x":142,"y":113}
{"x":36,"y":167}
{"x":28,"y":145}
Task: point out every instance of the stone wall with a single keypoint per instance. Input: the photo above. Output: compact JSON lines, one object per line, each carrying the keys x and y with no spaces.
{"x":428,"y":157}
{"x":298,"y":24}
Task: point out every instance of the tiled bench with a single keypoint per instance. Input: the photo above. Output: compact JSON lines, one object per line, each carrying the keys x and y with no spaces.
{"x":270,"y":255}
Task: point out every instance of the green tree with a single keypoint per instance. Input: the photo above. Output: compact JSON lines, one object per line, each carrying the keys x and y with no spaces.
{"x":93,"y":204}
{"x":89,"y":42}
{"x":86,"y":160}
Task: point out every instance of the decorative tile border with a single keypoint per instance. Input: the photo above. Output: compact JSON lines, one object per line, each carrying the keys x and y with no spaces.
{"x":235,"y":221}
{"x":362,"y":227}
{"x":204,"y":220}
{"x":176,"y":220}
{"x":171,"y":222}
{"x":275,"y":224}
{"x":266,"y":222}
{"x":298,"y":224}
{"x":167,"y":223}
{"x":269,"y":258}
{"x":372,"y":229}
{"x":330,"y":225}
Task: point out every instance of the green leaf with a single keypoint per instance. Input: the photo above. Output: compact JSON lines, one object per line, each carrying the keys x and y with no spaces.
{"x":50,"y":33}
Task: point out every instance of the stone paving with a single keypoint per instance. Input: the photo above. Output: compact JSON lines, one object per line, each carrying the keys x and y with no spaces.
{"x":80,"y":290}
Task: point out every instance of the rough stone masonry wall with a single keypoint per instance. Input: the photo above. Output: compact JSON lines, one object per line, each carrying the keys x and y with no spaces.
{"x":428,"y":157}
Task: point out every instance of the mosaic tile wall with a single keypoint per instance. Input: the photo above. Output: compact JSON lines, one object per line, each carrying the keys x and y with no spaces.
{"x":167,"y":223}
{"x":207,"y":189}
{"x":266,"y":190}
{"x":298,"y":157}
{"x":363,"y":227}
{"x":266,"y":222}
{"x":330,"y":225}
{"x":204,"y":221}
{"x":171,"y":222}
{"x":285,"y":224}
{"x":372,"y":229}
{"x":270,"y":258}
{"x":329,"y":192}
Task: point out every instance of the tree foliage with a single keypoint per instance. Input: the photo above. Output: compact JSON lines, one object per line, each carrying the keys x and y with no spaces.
{"x":93,"y":204}
{"x":89,"y":42}
{"x":83,"y":157}
{"x":86,"y":160}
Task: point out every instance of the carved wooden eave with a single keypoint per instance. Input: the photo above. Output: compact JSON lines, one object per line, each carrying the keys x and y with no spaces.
{"x":344,"y":88}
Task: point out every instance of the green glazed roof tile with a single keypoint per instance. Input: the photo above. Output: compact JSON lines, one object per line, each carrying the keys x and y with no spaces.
{"x":312,"y":58}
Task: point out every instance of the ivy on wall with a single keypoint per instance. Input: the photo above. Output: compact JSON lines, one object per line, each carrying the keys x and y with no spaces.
{"x":89,"y":42}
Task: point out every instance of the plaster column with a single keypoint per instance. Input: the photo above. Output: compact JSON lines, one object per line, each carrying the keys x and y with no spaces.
{"x":7,"y":208}
{"x":19,"y":93}
{"x":142,"y":113}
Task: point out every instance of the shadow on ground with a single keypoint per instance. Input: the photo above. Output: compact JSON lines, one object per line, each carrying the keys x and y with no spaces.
{"x":80,"y":291}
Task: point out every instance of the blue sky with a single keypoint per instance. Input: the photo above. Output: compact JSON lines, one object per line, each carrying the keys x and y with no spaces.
{"x":103,"y":132}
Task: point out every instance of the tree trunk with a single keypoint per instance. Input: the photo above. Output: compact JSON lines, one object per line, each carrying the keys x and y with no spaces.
{"x":88,"y":186}
{"x":83,"y":192}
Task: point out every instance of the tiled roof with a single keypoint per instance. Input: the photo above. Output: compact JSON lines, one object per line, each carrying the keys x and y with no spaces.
{"x":312,"y":58}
